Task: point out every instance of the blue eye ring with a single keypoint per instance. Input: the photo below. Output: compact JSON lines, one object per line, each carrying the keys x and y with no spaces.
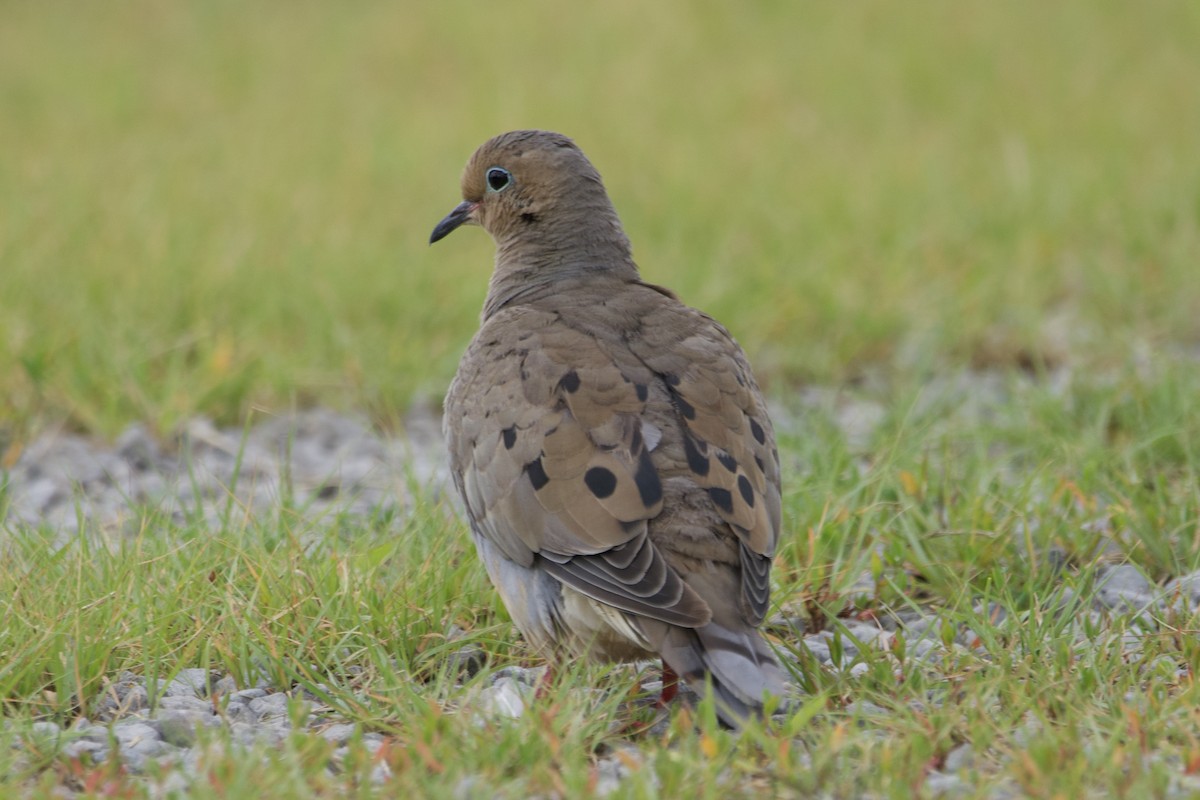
{"x":498,"y":179}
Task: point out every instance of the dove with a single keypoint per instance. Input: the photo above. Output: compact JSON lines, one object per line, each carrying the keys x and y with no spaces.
{"x":610,"y":444}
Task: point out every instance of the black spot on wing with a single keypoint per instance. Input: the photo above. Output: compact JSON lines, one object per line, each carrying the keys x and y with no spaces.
{"x":760,"y":435}
{"x":697,"y":461}
{"x":537,"y":475}
{"x":727,"y":461}
{"x":722,"y":499}
{"x":529,"y":217}
{"x":685,"y":408}
{"x":510,"y":437}
{"x":643,"y":391}
{"x":570,"y":382}
{"x":600,"y":482}
{"x":746,"y":490}
{"x":646,"y":478}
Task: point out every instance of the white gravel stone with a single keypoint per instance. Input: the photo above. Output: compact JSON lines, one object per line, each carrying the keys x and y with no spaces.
{"x":179,"y":727}
{"x":865,"y":708}
{"x":225,"y":686}
{"x":1124,"y":588}
{"x":960,"y":758}
{"x":138,"y":756}
{"x":85,"y":747}
{"x":939,"y":784}
{"x":921,"y":648}
{"x":339,"y":733}
{"x":818,"y":649}
{"x":609,"y":774}
{"x":239,"y":711}
{"x":380,"y":773}
{"x":44,"y":729}
{"x":188,"y":683}
{"x":372,"y":741}
{"x":242,"y":733}
{"x":1183,"y":593}
{"x":96,"y":733}
{"x":500,"y":700}
{"x":131,"y":733}
{"x":270,"y":706}
{"x":185,"y":703}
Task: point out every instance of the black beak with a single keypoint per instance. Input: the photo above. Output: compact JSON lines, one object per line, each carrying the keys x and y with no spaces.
{"x":460,"y":215}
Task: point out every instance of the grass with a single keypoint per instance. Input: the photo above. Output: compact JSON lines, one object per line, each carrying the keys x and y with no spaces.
{"x":957,"y":503}
{"x":980,"y":222}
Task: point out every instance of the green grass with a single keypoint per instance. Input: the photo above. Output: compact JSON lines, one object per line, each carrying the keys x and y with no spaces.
{"x":212,"y":208}
{"x":954,"y":503}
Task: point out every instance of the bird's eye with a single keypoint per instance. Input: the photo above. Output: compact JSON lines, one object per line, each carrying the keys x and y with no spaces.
{"x":498,"y":179}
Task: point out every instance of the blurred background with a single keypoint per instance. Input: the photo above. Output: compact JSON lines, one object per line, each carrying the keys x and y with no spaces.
{"x":209,"y":208}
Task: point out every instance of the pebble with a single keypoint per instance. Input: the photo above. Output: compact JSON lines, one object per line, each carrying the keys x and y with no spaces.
{"x":1182,"y":593}
{"x":225,"y":686}
{"x":44,"y":729}
{"x":338,"y":733}
{"x":940,"y":784}
{"x":182,"y":703}
{"x":179,"y":727}
{"x":818,"y":649}
{"x":864,"y":708}
{"x":85,"y":747}
{"x":468,"y":661}
{"x":522,"y":675}
{"x":188,"y":683}
{"x":1124,"y":588}
{"x":609,"y":774}
{"x":243,"y":732}
{"x":125,"y":696}
{"x":500,"y":700}
{"x":270,"y":706}
{"x":960,"y":758}
{"x":235,"y":709}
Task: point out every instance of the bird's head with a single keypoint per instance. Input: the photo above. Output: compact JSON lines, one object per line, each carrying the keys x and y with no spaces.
{"x":534,"y":192}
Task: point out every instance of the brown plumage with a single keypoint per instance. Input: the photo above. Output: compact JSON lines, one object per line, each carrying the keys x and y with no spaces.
{"x":610,"y":444}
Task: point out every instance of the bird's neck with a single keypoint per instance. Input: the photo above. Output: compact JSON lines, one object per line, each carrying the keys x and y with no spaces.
{"x":532,"y":262}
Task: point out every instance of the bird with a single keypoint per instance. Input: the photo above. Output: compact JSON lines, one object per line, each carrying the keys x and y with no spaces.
{"x":609,"y":443}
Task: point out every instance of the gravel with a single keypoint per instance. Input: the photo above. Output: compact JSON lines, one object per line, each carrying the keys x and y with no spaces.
{"x":316,"y":461}
{"x":321,"y":461}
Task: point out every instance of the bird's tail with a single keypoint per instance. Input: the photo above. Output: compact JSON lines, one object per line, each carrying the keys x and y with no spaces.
{"x":737,"y":664}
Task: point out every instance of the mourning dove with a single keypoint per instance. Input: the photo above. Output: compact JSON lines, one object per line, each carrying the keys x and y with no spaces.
{"x":610,"y":444}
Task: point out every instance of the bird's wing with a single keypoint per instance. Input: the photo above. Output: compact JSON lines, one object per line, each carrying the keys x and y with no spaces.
{"x":728,"y":440}
{"x":548,"y":449}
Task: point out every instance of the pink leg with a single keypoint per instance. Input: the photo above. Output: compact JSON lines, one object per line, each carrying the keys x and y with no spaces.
{"x":670,"y":686}
{"x":544,"y":684}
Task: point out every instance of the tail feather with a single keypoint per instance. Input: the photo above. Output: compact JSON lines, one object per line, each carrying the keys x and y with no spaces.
{"x":737,"y":664}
